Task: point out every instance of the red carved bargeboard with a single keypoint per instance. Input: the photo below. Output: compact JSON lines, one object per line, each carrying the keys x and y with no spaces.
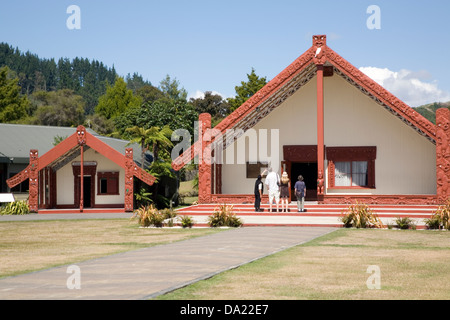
{"x":443,"y":154}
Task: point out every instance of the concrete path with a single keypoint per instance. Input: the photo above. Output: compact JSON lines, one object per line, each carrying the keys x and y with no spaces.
{"x":149,"y":272}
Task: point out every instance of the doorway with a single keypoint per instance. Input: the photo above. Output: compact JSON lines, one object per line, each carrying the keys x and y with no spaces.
{"x":87,"y":192}
{"x":309,"y":172}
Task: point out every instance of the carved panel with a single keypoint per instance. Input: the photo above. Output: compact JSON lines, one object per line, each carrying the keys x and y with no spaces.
{"x":351,"y":153}
{"x":300,"y":153}
{"x":81,"y":135}
{"x":443,"y":154}
{"x":204,"y":167}
{"x":320,"y":47}
{"x":129,"y":185}
{"x":33,"y":200}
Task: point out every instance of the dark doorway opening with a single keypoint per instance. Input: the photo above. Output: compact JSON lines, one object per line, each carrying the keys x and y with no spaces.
{"x":87,"y":192}
{"x":309,"y":172}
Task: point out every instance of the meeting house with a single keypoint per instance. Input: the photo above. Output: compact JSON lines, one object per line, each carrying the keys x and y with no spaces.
{"x":324,"y":119}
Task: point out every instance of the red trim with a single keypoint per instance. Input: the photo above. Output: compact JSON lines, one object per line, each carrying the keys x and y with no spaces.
{"x":348,"y":154}
{"x":443,"y":154}
{"x":339,"y":199}
{"x":112,"y":179}
{"x":307,"y":153}
{"x":88,"y":170}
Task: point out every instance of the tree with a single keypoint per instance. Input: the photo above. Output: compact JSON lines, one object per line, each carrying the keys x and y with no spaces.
{"x":117,"y":100}
{"x":149,"y":93}
{"x":247,"y":89}
{"x":158,"y":139}
{"x":176,"y":114}
{"x":13,"y":106}
{"x":213,"y":104}
{"x":170,"y":88}
{"x":140,"y":136}
{"x":57,"y":108}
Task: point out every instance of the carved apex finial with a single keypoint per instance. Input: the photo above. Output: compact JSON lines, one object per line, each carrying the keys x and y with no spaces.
{"x":319,"y":40}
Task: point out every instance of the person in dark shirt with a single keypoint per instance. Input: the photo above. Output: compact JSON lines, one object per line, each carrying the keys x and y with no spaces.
{"x":259,"y":188}
{"x":300,"y":193}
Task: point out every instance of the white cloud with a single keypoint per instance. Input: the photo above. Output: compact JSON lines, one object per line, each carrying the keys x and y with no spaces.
{"x":411,"y":87}
{"x":200,"y":94}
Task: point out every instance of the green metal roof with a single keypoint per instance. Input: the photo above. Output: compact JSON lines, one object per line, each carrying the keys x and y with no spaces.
{"x":16,"y":141}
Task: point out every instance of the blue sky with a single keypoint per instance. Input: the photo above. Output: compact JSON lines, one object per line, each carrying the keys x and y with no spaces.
{"x":212,"y":45}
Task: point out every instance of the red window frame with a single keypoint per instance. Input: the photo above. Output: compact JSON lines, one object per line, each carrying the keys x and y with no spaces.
{"x":112,"y":183}
{"x":351,"y":154}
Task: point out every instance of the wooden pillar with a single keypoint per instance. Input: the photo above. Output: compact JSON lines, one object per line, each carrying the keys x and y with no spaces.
{"x":81,"y":140}
{"x":82,"y":179}
{"x":204,"y":166}
{"x":443,"y":154}
{"x":129,"y":181}
{"x":320,"y":48}
{"x":33,"y":199}
{"x":320,"y":134}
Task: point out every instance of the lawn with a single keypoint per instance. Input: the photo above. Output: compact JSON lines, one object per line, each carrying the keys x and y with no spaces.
{"x":33,"y":245}
{"x":412,"y":265}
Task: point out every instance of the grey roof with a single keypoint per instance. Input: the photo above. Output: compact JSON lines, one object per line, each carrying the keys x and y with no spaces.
{"x":16,"y":141}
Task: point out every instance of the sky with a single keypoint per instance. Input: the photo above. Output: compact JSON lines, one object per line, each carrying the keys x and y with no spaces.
{"x":213,"y":45}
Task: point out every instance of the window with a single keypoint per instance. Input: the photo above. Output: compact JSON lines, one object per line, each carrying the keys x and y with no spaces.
{"x":350,"y":173}
{"x":108,"y":183}
{"x":351,"y":167}
{"x":254,"y":169}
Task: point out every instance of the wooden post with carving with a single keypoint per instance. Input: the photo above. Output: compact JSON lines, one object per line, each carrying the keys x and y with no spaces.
{"x":442,"y":154}
{"x":204,"y":166}
{"x":319,"y":43}
{"x":33,"y":200}
{"x":129,"y":185}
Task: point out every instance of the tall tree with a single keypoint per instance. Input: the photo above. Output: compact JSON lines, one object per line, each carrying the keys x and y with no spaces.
{"x":171,"y":89}
{"x":13,"y":106}
{"x":247,"y":89}
{"x":177,"y":114}
{"x":57,"y":108}
{"x":213,"y":104}
{"x":117,"y":100}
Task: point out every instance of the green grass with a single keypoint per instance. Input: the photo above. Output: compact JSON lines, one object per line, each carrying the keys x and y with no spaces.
{"x":27,"y":246}
{"x":413,"y":265}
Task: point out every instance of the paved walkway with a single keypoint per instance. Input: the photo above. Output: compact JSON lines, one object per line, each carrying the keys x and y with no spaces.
{"x":149,"y":272}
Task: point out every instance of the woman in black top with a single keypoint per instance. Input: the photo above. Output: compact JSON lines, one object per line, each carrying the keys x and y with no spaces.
{"x":284,"y":191}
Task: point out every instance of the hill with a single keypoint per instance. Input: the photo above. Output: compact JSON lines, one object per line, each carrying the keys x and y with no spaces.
{"x":429,"y":110}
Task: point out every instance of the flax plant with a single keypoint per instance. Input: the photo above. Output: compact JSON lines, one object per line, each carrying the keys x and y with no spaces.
{"x":360,"y":216}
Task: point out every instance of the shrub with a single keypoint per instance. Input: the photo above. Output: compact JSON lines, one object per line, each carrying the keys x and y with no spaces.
{"x":148,"y":216}
{"x":15,"y":208}
{"x":187,"y":222}
{"x":405,"y":223}
{"x":223,"y":216}
{"x":360,"y":216}
{"x":441,"y":218}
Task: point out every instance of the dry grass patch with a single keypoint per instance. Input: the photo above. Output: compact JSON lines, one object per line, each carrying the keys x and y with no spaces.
{"x":34,"y":245}
{"x":413,"y":265}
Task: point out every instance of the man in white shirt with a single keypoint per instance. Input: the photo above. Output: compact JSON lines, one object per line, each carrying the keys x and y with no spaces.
{"x":272,"y":181}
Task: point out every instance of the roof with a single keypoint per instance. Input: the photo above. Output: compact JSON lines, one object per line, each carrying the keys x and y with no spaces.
{"x":16,"y":141}
{"x":293,"y":78}
{"x":69,"y":148}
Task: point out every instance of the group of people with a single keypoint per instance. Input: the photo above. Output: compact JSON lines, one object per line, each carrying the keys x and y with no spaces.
{"x":279,"y":189}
